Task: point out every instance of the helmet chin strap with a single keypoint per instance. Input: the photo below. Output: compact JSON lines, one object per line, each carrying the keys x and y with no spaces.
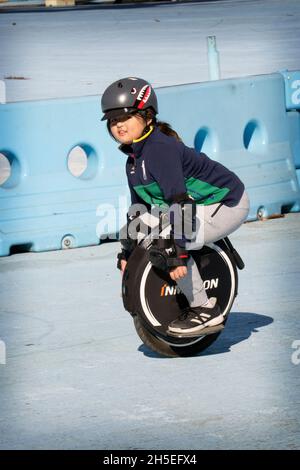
{"x":151,"y":124}
{"x":147,"y":129}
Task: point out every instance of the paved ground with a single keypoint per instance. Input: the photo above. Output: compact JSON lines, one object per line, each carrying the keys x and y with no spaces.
{"x":77,"y":375}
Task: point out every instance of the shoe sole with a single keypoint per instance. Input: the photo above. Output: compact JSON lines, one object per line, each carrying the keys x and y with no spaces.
{"x":209,"y":330}
{"x":215,"y":321}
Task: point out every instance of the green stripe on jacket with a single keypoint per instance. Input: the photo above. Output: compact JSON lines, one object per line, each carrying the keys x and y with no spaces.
{"x":202,"y":192}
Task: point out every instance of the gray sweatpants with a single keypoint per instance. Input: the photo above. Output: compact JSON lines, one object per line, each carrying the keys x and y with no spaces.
{"x":215,"y":221}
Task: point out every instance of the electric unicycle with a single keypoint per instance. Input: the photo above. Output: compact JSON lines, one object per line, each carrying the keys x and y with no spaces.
{"x":154,"y":300}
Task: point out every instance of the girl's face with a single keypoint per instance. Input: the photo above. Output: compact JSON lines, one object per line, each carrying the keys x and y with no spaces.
{"x":127,"y":128}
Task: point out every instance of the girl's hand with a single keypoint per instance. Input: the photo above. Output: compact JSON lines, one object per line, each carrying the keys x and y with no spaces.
{"x":178,"y":273}
{"x":123,"y":265}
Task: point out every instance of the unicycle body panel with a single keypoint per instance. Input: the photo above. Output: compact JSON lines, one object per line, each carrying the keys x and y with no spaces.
{"x":154,"y":300}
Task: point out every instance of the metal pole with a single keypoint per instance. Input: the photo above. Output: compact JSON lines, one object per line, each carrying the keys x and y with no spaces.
{"x":213,"y":58}
{"x":2,"y":92}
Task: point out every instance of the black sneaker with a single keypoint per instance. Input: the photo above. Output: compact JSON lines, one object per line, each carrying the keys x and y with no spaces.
{"x":194,"y":319}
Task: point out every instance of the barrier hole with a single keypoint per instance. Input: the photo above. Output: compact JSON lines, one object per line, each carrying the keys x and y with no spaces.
{"x":10,"y":170}
{"x":5,"y":169}
{"x":77,"y":161}
{"x":82,"y":162}
{"x":21,"y":248}
{"x":255,"y":137}
{"x":206,"y":141}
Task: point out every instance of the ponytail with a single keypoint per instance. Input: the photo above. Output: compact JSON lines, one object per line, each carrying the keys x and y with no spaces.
{"x":165,"y":128}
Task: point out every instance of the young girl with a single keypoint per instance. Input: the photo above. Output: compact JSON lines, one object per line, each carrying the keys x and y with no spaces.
{"x":162,"y":171}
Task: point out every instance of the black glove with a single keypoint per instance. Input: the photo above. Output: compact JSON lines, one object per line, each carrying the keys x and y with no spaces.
{"x":166,"y":256}
{"x":182,"y":215}
{"x":127,"y":247}
{"x":128,"y":235}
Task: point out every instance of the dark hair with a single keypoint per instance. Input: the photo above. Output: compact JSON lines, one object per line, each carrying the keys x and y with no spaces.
{"x":147,"y":114}
{"x":164,"y":127}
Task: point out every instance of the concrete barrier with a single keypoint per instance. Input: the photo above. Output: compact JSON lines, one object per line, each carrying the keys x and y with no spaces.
{"x":244,"y":125}
{"x":48,"y":202}
{"x":292,"y":89}
{"x":63,"y":181}
{"x":292,"y":97}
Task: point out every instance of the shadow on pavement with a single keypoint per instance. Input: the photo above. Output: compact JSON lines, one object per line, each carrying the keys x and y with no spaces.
{"x":239,"y":327}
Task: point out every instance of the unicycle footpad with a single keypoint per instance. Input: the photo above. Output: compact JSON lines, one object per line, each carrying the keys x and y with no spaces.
{"x":209,"y":330}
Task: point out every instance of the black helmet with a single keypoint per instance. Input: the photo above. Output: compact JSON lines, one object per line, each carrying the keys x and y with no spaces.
{"x":128,"y":95}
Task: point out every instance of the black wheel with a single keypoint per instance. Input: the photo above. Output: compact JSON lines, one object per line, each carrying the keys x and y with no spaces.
{"x":164,"y":348}
{"x":158,"y":301}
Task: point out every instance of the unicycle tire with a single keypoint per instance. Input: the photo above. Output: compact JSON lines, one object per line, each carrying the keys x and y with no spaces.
{"x":161,"y":347}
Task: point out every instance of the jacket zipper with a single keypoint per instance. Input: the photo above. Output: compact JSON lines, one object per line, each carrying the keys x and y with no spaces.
{"x":144,"y":170}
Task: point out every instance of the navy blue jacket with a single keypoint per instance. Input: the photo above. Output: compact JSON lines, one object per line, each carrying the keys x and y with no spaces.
{"x":159,"y":168}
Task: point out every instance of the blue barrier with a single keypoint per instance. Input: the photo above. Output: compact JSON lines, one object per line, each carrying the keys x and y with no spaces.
{"x":42,"y":205}
{"x":242,"y":123}
{"x":292,"y":97}
{"x":294,"y":128}
{"x":292,"y":89}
